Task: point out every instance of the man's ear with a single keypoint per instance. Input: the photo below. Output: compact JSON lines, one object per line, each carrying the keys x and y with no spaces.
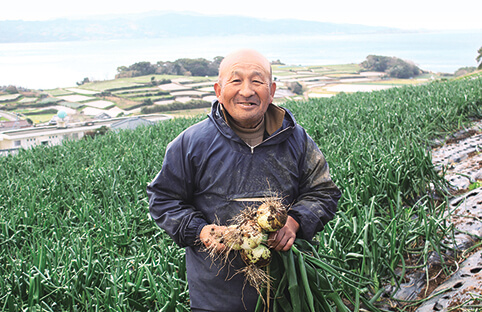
{"x":273,"y":89}
{"x":217,"y":89}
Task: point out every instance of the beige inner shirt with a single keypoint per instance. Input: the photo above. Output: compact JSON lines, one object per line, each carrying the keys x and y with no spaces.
{"x":272,"y":121}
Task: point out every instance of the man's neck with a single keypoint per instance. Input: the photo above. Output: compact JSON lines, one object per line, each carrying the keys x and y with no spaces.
{"x":252,"y":136}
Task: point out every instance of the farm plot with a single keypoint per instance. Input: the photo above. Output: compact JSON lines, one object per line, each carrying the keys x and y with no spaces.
{"x":76,"y":98}
{"x":164,"y":102}
{"x":9,"y":97}
{"x":174,"y":87}
{"x":206,"y":89}
{"x":82,"y":91}
{"x":28,"y":100}
{"x":189,"y":93}
{"x":112,"y":85}
{"x":65,"y":108}
{"x":209,"y":85}
{"x":92,"y":111}
{"x":99,"y":104}
{"x":76,"y":235}
{"x":209,"y":98}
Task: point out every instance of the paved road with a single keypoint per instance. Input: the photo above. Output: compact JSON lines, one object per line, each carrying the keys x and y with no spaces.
{"x":9,"y":116}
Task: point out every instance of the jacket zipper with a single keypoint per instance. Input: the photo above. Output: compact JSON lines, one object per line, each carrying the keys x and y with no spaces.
{"x":253,"y":199}
{"x":273,"y":136}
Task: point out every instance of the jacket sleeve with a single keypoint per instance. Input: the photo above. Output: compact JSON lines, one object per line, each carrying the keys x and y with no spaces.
{"x":318,"y":195}
{"x":170,"y":197}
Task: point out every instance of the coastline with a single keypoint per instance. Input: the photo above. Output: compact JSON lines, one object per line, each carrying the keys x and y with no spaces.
{"x":51,"y":65}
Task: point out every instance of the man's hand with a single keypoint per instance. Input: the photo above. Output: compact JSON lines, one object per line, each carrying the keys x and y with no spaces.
{"x":211,"y":236}
{"x":283,"y":239}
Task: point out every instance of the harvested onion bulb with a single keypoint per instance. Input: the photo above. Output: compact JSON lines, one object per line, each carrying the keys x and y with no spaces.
{"x":271,"y":216}
{"x":259,"y":256}
{"x":252,"y":235}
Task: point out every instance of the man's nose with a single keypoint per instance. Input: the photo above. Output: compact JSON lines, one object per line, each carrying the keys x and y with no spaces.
{"x":247,"y":89}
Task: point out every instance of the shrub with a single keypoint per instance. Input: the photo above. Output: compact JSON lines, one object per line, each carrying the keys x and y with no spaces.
{"x":393,"y":66}
{"x":295,"y":87}
{"x":11,"y":90}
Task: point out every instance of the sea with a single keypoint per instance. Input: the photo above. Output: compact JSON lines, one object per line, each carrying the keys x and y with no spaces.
{"x":48,"y":65}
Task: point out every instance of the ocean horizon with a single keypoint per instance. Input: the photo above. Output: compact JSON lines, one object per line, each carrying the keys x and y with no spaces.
{"x":49,"y":65}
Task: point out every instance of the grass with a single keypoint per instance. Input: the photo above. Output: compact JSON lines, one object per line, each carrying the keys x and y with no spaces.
{"x":41,"y":118}
{"x":79,"y":239}
{"x":188,"y":113}
{"x":376,"y":144}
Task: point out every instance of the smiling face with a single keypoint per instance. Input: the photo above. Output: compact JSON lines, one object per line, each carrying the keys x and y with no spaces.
{"x":245,"y":87}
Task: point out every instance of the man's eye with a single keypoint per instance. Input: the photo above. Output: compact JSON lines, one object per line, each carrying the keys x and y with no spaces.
{"x":257,"y":81}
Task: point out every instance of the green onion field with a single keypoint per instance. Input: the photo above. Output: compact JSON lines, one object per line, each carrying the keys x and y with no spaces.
{"x":75,"y":234}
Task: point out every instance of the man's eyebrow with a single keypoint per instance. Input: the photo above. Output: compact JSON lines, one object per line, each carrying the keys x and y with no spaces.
{"x":234,"y":73}
{"x":253,"y":73}
{"x":257,"y":73}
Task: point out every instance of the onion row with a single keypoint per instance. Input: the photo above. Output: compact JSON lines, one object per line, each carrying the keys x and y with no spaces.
{"x":304,"y":282}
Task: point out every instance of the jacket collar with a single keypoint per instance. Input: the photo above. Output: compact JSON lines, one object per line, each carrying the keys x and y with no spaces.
{"x":277,"y":119}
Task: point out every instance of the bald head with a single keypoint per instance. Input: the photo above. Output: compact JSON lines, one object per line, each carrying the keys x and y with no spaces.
{"x":245,"y":56}
{"x":245,"y":87}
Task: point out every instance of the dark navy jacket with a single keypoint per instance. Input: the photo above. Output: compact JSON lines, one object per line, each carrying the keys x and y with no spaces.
{"x":209,"y":174}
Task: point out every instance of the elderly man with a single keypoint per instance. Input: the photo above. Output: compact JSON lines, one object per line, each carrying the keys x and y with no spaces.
{"x":247,"y":149}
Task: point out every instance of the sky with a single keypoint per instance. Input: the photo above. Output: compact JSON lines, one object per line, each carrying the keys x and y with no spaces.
{"x":407,"y":14}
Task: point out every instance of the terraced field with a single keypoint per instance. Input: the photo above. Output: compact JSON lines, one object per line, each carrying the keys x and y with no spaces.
{"x":167,"y":94}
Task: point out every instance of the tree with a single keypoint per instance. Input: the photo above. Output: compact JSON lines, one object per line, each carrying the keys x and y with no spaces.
{"x":197,"y":67}
{"x":143,"y":68}
{"x":376,"y":63}
{"x":393,"y":66}
{"x":11,"y":90}
{"x":479,"y":58}
{"x":170,"y":68}
{"x":213,"y":69}
{"x":295,"y":87}
{"x":464,"y":71}
{"x":147,"y":102}
{"x":402,"y":69}
{"x":86,"y":80}
{"x":120,"y":69}
{"x":184,"y":66}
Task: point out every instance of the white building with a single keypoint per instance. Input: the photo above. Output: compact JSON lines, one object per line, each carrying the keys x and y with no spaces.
{"x":13,"y":140}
